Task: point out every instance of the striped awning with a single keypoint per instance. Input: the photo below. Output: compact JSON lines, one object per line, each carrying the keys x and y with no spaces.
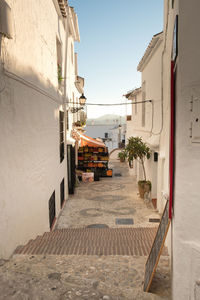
{"x":88,"y":141}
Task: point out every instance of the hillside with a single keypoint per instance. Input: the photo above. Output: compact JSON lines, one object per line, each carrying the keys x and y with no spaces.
{"x":108,"y":119}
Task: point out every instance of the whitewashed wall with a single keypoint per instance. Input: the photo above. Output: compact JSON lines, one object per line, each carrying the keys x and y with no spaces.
{"x":29,"y":121}
{"x":135,"y":123}
{"x":186,"y":222}
{"x":151,"y":75}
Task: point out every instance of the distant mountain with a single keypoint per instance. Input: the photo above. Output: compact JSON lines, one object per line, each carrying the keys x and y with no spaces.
{"x":107,"y":120}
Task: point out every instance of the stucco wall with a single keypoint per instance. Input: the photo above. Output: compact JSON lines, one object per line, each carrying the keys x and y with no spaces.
{"x":71,"y":90}
{"x":163,"y":159}
{"x":186,"y":225}
{"x":33,"y":47}
{"x":29,"y":121}
{"x":151,"y":75}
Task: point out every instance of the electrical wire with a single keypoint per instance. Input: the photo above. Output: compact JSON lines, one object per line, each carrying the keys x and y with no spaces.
{"x":114,"y":104}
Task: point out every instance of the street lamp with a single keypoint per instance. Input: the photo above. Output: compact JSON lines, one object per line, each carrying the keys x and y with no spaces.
{"x":82,"y":101}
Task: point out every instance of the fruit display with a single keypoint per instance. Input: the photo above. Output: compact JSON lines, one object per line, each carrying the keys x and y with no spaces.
{"x":94,"y":159}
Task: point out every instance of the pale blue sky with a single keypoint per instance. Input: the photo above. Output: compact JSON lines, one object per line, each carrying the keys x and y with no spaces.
{"x":114,"y":35}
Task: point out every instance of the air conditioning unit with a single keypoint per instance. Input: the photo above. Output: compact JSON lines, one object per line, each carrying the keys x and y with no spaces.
{"x":6,"y":20}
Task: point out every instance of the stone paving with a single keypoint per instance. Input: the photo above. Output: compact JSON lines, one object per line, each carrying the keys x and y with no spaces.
{"x":91,"y":277}
{"x":80,"y":277}
{"x":103,"y":201}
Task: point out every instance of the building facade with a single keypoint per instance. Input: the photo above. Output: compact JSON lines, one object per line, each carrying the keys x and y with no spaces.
{"x":145,"y":120}
{"x":178,"y":130}
{"x":183,"y":45}
{"x":34,"y":97}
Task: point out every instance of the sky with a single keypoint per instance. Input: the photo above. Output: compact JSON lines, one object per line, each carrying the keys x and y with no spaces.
{"x":114,"y":36}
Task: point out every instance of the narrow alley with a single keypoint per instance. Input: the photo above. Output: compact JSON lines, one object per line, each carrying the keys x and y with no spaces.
{"x":98,"y":249}
{"x":100,"y":150}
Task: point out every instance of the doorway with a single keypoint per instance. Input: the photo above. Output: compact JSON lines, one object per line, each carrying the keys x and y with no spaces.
{"x":71,"y":168}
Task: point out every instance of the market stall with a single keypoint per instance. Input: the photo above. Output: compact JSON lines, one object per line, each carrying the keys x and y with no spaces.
{"x":93,"y":157}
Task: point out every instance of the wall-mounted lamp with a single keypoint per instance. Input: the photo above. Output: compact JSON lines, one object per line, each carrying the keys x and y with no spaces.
{"x":82,"y":101}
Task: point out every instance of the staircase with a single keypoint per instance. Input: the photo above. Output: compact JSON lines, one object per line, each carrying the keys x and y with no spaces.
{"x":92,"y":241}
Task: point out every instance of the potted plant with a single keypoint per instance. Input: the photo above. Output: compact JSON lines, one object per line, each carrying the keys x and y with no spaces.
{"x":77,"y":124}
{"x":122,"y":156}
{"x":137,"y":149}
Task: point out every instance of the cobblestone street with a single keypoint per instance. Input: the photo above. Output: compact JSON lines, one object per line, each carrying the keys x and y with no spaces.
{"x":76,"y":261}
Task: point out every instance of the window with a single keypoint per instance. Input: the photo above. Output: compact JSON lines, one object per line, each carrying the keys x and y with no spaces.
{"x":73,"y":105}
{"x":52,"y":210}
{"x":67,"y":120}
{"x":61,"y":123}
{"x":72,"y":54}
{"x":143,"y":104}
{"x":62,"y":192}
{"x":59,"y":61}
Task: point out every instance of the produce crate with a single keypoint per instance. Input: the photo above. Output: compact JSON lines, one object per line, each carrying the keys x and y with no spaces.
{"x":88,"y":177}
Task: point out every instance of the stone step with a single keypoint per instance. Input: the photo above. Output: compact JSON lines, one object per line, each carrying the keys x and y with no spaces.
{"x":92,"y":241}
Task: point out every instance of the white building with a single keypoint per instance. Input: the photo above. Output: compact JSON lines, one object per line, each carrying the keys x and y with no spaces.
{"x":181,"y":73}
{"x":133,"y":121}
{"x":178,"y":144}
{"x":145,"y":120}
{"x":36,"y":44}
{"x":116,"y":137}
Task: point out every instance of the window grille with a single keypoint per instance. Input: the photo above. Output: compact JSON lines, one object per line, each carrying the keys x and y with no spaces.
{"x":61,"y":121}
{"x":52,"y":209}
{"x":62,"y":192}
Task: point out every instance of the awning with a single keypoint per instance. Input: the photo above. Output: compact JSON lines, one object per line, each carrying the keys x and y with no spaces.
{"x":88,"y":141}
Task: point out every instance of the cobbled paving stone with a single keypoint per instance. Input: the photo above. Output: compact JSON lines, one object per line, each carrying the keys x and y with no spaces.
{"x":76,"y":262}
{"x":80,"y":277}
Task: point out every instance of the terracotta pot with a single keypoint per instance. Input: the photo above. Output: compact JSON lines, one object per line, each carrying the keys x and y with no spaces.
{"x":141,"y":190}
{"x":144,"y":187}
{"x":147,"y":187}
